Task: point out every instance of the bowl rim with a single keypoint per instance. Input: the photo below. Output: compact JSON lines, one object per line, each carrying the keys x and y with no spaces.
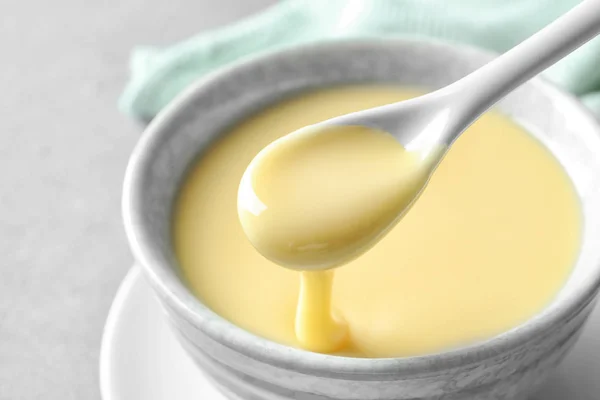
{"x":179,"y":298}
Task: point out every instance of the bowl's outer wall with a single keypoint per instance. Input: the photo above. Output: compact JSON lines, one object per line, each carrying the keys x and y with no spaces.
{"x":212,"y":107}
{"x":509,"y":376}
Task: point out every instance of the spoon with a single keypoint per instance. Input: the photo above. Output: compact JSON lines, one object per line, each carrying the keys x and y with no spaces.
{"x":425,"y":126}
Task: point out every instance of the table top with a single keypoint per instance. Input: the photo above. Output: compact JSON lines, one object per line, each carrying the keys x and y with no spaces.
{"x":63,"y":151}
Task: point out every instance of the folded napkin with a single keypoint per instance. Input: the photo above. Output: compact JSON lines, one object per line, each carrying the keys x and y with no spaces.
{"x":158,"y":75}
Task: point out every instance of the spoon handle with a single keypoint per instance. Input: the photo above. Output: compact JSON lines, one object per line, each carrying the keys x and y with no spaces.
{"x":481,"y":89}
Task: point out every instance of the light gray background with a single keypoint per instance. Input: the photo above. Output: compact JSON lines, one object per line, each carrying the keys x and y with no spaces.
{"x":63,"y":151}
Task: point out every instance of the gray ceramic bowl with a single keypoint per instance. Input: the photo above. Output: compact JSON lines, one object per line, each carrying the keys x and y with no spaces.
{"x":247,"y":367}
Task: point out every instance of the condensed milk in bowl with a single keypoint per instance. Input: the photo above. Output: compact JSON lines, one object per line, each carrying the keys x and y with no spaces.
{"x":477,"y":292}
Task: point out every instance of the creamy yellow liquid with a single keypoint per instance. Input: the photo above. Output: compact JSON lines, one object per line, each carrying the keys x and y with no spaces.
{"x":318,"y":328}
{"x":488,"y":244}
{"x":320,"y":197}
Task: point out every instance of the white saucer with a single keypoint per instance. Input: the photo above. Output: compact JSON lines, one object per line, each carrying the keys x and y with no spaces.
{"x":141,"y":360}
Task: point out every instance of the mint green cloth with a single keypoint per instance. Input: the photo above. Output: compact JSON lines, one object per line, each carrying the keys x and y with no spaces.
{"x":158,"y":75}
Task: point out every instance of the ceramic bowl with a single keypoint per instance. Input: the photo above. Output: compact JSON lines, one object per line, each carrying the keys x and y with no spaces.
{"x":244,"y":366}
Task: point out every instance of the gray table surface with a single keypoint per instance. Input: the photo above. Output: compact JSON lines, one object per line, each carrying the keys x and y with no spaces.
{"x":63,"y":151}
